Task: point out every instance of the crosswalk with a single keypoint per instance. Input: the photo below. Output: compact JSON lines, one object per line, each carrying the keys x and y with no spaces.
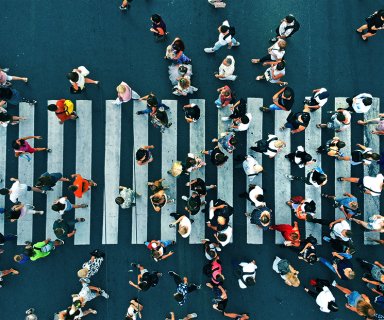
{"x":142,"y":213}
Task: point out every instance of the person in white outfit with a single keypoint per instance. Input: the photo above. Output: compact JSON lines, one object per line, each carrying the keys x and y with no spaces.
{"x":323,"y":296}
{"x":226,"y":69}
{"x":226,"y":33}
{"x":247,"y":274}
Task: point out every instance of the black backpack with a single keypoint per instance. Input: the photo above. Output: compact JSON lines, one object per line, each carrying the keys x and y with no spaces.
{"x":295,"y":27}
{"x":263,"y":145}
{"x":232,"y":32}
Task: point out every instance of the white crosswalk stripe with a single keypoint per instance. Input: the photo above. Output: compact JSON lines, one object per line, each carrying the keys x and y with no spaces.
{"x":168,"y":151}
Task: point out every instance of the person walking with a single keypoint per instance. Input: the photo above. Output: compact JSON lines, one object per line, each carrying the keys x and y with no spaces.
{"x":316,"y":177}
{"x":5,"y":79}
{"x":323,"y":296}
{"x":6,"y":119}
{"x":159,"y":200}
{"x":375,"y":223}
{"x":332,"y":147}
{"x":291,"y":234}
{"x":261,"y":216}
{"x":145,"y":279}
{"x":286,"y":271}
{"x":62,"y":205}
{"x":318,"y":99}
{"x":80,"y":185}
{"x":185,"y":224}
{"x":373,"y":23}
{"x":144,"y":155}
{"x":44,"y":248}
{"x":297,"y":121}
{"x":379,"y":121}
{"x":276,"y":53}
{"x":369,"y":185}
{"x":13,"y":97}
{"x":20,"y":210}
{"x":126,"y":198}
{"x":18,"y":191}
{"x":64,"y":110}
{"x":300,"y":157}
{"x":23,"y":148}
{"x":134,"y":310}
{"x":126,"y":4}
{"x":158,"y":249}
{"x":191,"y":112}
{"x":340,"y":121}
{"x":282,"y":100}
{"x":125,"y":93}
{"x":152,"y":104}
{"x":226,"y":37}
{"x":218,"y":158}
{"x":363,"y":155}
{"x":158,"y":28}
{"x":47,"y":180}
{"x":92,"y":266}
{"x":246,"y":273}
{"x":274,"y":73}
{"x":348,"y":205}
{"x":65,"y":229}
{"x":270,"y":146}
{"x":288,"y":26}
{"x":183,"y":287}
{"x":341,"y":265}
{"x":226,"y":69}
{"x":360,"y":103}
{"x":225,"y":97}
{"x":241,"y":124}
{"x":78,"y":78}
{"x":6,"y":272}
{"x":175,"y":53}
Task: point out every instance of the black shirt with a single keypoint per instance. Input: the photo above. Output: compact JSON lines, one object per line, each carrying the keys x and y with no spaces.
{"x":286,"y":103}
{"x":192,"y":113}
{"x":5,"y":93}
{"x":375,"y":20}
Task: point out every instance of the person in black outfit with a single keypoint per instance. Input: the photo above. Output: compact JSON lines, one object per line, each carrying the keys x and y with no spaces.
{"x":282,"y":100}
{"x":198,"y":185}
{"x":218,"y":158}
{"x":191,"y":112}
{"x":238,"y":109}
{"x":374,"y":22}
{"x":12,"y":96}
{"x":300,"y":157}
{"x":159,"y":28}
{"x":315,"y":177}
{"x":298,"y":121}
{"x":145,"y":279}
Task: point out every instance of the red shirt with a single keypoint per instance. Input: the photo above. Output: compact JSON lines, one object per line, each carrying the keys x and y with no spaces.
{"x":82,"y":186}
{"x":61,"y":110}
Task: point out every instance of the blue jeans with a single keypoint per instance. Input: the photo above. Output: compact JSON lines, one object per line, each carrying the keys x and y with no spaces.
{"x":16,"y":97}
{"x":218,"y":45}
{"x":329,"y":264}
{"x":166,"y":243}
{"x":274,"y":107}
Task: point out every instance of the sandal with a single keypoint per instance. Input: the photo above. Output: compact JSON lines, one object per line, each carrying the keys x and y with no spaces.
{"x":258,"y":78}
{"x":80,"y":219}
{"x":14,"y":271}
{"x":255,"y":61}
{"x":318,"y":126}
{"x":340,"y":178}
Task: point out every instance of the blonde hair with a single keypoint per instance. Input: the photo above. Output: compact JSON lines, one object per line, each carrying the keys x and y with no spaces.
{"x":351,"y":274}
{"x":17,"y":258}
{"x":183,"y":230}
{"x":121,"y":88}
{"x":82,"y":273}
{"x":293,"y":279}
{"x":365,"y":308}
{"x":258,"y":168}
{"x":279,"y":144}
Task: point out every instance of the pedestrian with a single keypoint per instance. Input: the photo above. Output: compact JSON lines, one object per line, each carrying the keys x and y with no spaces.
{"x":134,"y":310}
{"x":125,"y":93}
{"x":218,"y":158}
{"x":13,"y":97}
{"x":308,"y":252}
{"x":185,"y":224}
{"x":303,"y":208}
{"x":323,"y":296}
{"x":5,"y":79}
{"x":175,"y":52}
{"x":7,"y":237}
{"x":20,"y":210}
{"x":341,"y":265}
{"x":21,"y":258}
{"x":88,"y":293}
{"x":368,"y":185}
{"x":192,"y":163}
{"x":297,"y":121}
{"x":237,"y":316}
{"x":282,"y":100}
{"x":348,"y":205}
{"x":250,"y":165}
{"x":177,"y":71}
{"x":225,"y":97}
{"x":270,"y":146}
{"x":92,"y":266}
{"x":374,"y":22}
{"x":363,"y":155}
{"x":379,"y":121}
{"x":159,"y":249}
{"x":18,"y":191}
{"x":261,"y":216}
{"x":276,"y":53}
{"x":193,"y":203}
{"x":288,"y":26}
{"x":226,"y":69}
{"x":238,"y":109}
{"x":5,"y":273}
{"x":144,"y":155}
{"x":375,"y":272}
{"x":44,"y":248}
{"x":47,"y":180}
{"x":360,"y":103}
{"x":219,"y":214}
{"x":300,"y":157}
{"x":291,"y":234}
{"x":64,"y":110}
{"x":255,"y":194}
{"x":199,"y":186}
{"x":332,"y":147}
{"x":226,"y":37}
{"x":23,"y":148}
{"x":160,"y":119}
{"x":356,"y":302}
{"x":318,"y":99}
{"x":62,"y":205}
{"x":375,"y":223}
{"x":222,"y":235}
{"x":65,"y":229}
{"x":340,"y":121}
{"x":183,"y":87}
{"x":146,"y":279}
{"x":227,"y":140}
{"x":241,"y":124}
{"x":80,"y":185}
{"x":126,"y":4}
{"x":152,"y":104}
{"x":191,"y":112}
{"x":159,"y":28}
{"x":159,"y":200}
{"x":126,"y":198}
{"x":183,"y":287}
{"x":211,"y":249}
{"x":220,"y":297}
{"x":6,"y":119}
{"x":274,"y":73}
{"x":214,"y":270}
{"x":30,"y":314}
{"x":78,"y":79}
{"x":246,"y":273}
{"x":286,"y":271}
{"x":316,"y":177}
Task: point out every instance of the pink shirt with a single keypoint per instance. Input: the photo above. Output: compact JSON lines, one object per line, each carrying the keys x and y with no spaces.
{"x":3,"y":77}
{"x":127,"y":95}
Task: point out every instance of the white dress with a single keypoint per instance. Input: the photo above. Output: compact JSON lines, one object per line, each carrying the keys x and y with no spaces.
{"x":173,"y":71}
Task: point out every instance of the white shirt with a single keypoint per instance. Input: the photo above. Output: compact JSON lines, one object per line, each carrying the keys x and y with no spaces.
{"x":374,"y":184}
{"x":323,"y":298}
{"x":321,"y":102}
{"x":254,"y":193}
{"x":132,"y":312}
{"x":63,"y":201}
{"x":283,"y":31}
{"x":338,"y":228}
{"x":227,"y":70}
{"x":276,"y":52}
{"x":297,"y":159}
{"x":242,"y":126}
{"x":271,"y":145}
{"x":228,"y":231}
{"x":358,"y":105}
{"x":249,"y":165}
{"x":18,"y":192}
{"x":228,"y":39}
{"x":247,"y":267}
{"x":185,"y":222}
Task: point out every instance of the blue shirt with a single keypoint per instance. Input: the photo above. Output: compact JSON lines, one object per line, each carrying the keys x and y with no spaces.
{"x":344,"y":202}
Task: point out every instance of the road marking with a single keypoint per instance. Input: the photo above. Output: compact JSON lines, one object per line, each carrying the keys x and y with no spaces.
{"x":254,"y":133}
{"x":25,"y":175}
{"x":140,"y":175}
{"x":84,"y":167}
{"x":371,"y":204}
{"x":225,"y":172}
{"x":111,"y":172}
{"x":168,"y":155}
{"x":312,"y":142}
{"x":282,"y":167}
{"x":196,"y":144}
{"x":55,"y":140}
{"x":342,"y":168}
{"x":3,"y":164}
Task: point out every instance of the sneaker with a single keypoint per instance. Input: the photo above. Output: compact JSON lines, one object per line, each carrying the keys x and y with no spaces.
{"x":104,"y":294}
{"x":171,"y":201}
{"x":198,"y":287}
{"x":236,"y":44}
{"x":134,"y":265}
{"x":48,"y":150}
{"x":83,"y":205}
{"x":80,"y":220}
{"x":264,"y":109}
{"x":40,"y":212}
{"x":225,"y":118}
{"x":273,"y":39}
{"x":185,"y":198}
{"x":334,"y":283}
{"x":209,"y":50}
{"x":327,"y":239}
{"x":289,"y":176}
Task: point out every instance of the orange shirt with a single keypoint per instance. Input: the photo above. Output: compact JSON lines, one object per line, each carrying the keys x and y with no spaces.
{"x":82,"y":186}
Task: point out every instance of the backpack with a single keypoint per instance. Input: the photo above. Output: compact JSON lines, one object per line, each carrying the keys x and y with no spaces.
{"x":232,"y":32}
{"x":357,"y":156}
{"x":295,"y":27}
{"x":263,"y":145}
